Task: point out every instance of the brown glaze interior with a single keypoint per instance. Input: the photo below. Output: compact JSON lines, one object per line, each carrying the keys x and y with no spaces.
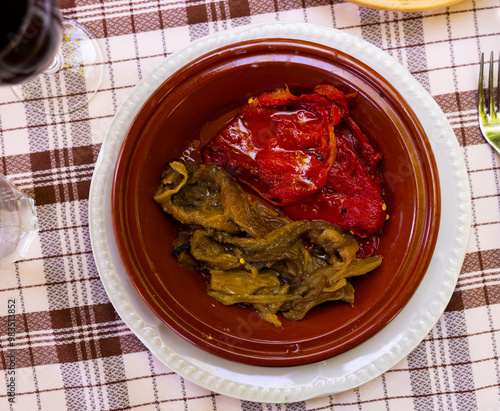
{"x":205,"y":91}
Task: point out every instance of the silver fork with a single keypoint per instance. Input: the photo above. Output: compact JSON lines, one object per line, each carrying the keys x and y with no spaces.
{"x":489,"y":119}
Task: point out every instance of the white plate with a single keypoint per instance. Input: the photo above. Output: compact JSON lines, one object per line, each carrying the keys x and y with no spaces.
{"x":345,"y":371}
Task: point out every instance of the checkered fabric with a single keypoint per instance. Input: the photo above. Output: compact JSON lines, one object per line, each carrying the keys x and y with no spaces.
{"x":73,"y":350}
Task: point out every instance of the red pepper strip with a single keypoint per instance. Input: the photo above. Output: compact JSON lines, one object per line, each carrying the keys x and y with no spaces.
{"x":339,"y":112}
{"x":365,"y":151}
{"x":281,"y":145}
{"x":352,"y":197}
{"x":368,"y":246}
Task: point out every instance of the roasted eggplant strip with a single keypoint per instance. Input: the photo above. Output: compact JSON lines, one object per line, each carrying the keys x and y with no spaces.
{"x":208,"y":197}
{"x":269,"y":311}
{"x":251,"y":253}
{"x":203,"y":248}
{"x":299,"y":309}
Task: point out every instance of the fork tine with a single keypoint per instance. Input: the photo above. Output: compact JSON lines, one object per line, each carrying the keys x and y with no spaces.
{"x":480,"y":88}
{"x":493,"y":112}
{"x":489,"y":123}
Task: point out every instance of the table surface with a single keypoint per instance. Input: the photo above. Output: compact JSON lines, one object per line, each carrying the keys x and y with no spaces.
{"x":74,"y":352}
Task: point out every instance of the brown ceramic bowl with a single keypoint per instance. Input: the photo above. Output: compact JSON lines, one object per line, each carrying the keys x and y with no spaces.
{"x":196,"y":98}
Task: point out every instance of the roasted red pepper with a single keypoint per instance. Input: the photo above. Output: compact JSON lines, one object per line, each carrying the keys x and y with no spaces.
{"x":307,"y":155}
{"x":281,"y":145}
{"x":352,"y":197}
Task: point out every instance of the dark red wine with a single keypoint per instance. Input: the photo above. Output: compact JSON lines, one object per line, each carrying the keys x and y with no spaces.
{"x":30,"y":35}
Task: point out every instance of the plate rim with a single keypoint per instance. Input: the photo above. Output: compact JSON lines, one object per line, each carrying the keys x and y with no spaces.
{"x":231,"y":378}
{"x":405,"y":5}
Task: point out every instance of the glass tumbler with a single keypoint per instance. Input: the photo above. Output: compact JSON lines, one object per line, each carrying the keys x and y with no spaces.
{"x":18,"y":223}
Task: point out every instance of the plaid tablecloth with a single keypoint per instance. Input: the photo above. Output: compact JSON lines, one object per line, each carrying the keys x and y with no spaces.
{"x":74,"y":352}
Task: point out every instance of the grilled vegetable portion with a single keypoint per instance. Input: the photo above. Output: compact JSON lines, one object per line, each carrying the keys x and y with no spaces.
{"x":251,"y":252}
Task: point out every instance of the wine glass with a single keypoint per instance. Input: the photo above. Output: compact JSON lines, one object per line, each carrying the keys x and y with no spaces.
{"x":53,"y":64}
{"x":18,"y":223}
